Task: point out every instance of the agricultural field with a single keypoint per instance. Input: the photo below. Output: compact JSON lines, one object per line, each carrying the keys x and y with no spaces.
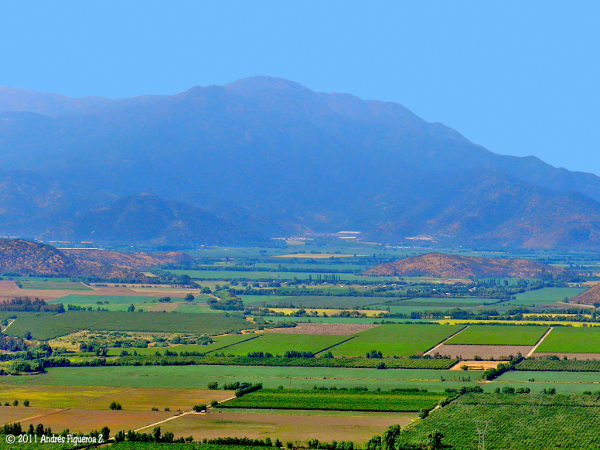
{"x":571,"y":340}
{"x":328,"y":312}
{"x":219,"y":343}
{"x":53,"y":284}
{"x":287,"y":426}
{"x":396,"y":340}
{"x":495,"y":352}
{"x":314,"y":302}
{"x":100,"y":397}
{"x":338,"y":329}
{"x":337,"y":400}
{"x":48,"y":326}
{"x":273,"y":276}
{"x":290,"y":264}
{"x":559,"y":365}
{"x":441,"y":302}
{"x":513,"y":421}
{"x":198,"y":377}
{"x":299,"y":403}
{"x":195,"y":308}
{"x":498,"y":335}
{"x":523,"y":376}
{"x":92,"y":300}
{"x":85,"y":420}
{"x":278,"y":344}
{"x":546,"y":296}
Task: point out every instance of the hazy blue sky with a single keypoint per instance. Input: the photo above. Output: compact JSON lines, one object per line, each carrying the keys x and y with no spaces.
{"x":519,"y":78}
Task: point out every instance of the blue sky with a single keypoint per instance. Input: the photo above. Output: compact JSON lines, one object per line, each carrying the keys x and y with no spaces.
{"x":519,"y":78}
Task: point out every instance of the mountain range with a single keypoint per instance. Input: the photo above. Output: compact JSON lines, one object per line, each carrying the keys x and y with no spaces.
{"x":264,"y":157}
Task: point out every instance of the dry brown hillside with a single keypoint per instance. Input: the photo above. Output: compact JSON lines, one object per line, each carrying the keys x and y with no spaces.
{"x":451,"y":266}
{"x":589,"y":297}
{"x":136,"y":261}
{"x":21,"y":257}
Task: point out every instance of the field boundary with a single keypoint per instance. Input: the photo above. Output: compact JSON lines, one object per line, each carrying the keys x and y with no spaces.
{"x":231,"y":345}
{"x":538,"y":343}
{"x":445,"y":340}
{"x":176,"y":416}
{"x":9,"y":324}
{"x":335,"y":345}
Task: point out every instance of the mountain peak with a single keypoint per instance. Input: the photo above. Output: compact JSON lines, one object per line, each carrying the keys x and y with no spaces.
{"x":263,"y":84}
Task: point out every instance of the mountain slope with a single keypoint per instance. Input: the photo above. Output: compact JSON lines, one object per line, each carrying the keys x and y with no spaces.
{"x":17,"y":99}
{"x":25,"y":258}
{"x":148,"y":218}
{"x":452,"y":266}
{"x":290,"y":159}
{"x":589,"y":297}
{"x":133,"y":261}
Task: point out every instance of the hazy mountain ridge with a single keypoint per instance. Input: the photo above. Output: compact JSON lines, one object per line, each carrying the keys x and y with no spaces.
{"x":453,"y":266}
{"x":293,"y":160}
{"x":148,"y":218}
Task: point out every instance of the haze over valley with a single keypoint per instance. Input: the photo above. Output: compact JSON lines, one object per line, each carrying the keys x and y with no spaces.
{"x":265,"y":157}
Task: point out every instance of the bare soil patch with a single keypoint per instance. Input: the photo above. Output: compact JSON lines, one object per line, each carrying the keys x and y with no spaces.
{"x":288,"y":426}
{"x":144,"y":399}
{"x":469,"y":352}
{"x":8,"y":286}
{"x":12,"y":414}
{"x":333,"y":329}
{"x":85,"y":420}
{"x":579,"y":356}
{"x":477,"y":365}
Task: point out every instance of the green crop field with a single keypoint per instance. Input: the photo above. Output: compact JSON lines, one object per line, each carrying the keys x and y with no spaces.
{"x":318,"y":302}
{"x":523,"y":376}
{"x":396,"y":340}
{"x":92,"y":300}
{"x":546,"y":296}
{"x":197,"y":377}
{"x":561,"y":365}
{"x":571,"y":340}
{"x":328,"y":319}
{"x":278,"y":344}
{"x":336,"y":400}
{"x":219,"y":342}
{"x":411,"y":309}
{"x":499,"y":335}
{"x":251,"y":300}
{"x":47,"y":326}
{"x":194,"y":308}
{"x":326,"y":264}
{"x":452,"y":302}
{"x":271,"y":276}
{"x":516,"y":421}
{"x":50,"y":284}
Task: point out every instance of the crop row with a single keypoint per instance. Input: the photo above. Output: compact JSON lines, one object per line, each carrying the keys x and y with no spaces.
{"x":532,"y":425}
{"x":358,"y":362}
{"x":337,"y":400}
{"x":559,"y":365}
